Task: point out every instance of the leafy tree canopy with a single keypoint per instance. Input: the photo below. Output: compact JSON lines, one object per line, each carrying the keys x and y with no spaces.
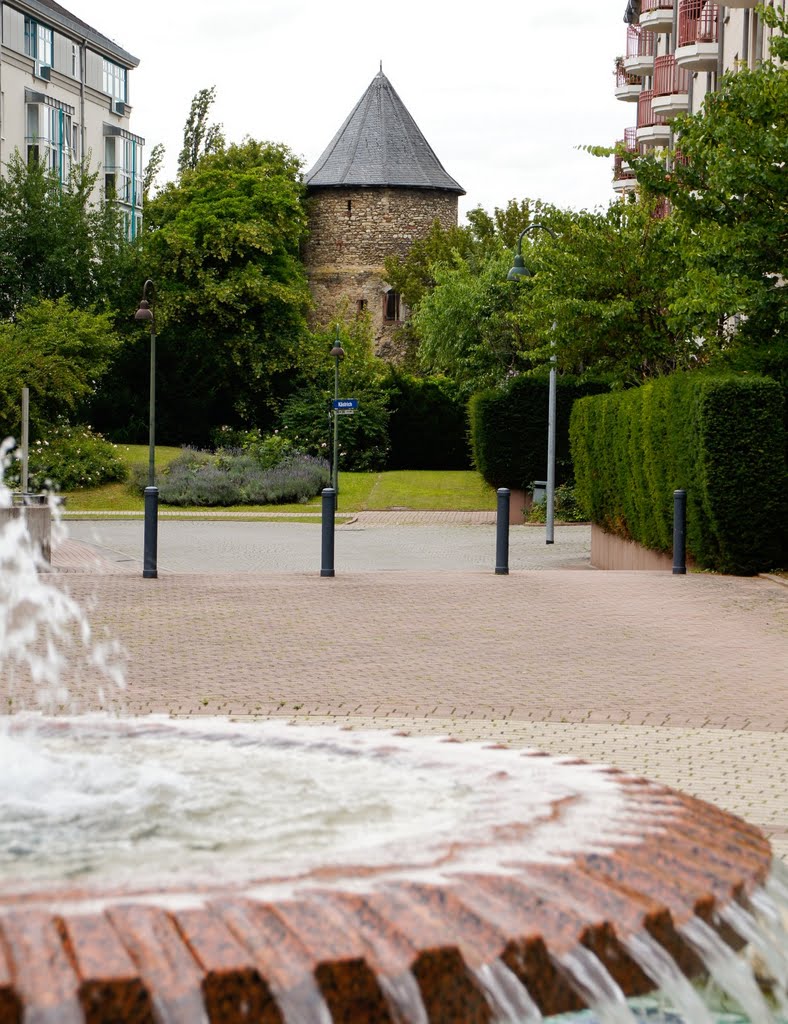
{"x":54,"y":243}
{"x":597,"y":297}
{"x":222,"y":245}
{"x":199,"y":137}
{"x":59,"y":353}
{"x":728,"y":188}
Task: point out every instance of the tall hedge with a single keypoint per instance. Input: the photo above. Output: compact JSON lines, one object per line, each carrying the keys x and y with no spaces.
{"x":721,"y":438}
{"x":428,"y":426}
{"x":509,"y":429}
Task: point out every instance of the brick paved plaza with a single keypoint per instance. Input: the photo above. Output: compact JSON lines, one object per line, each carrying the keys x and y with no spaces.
{"x":680,"y":678}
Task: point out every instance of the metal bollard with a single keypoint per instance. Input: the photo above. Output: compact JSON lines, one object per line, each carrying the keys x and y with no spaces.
{"x":151,"y":541}
{"x":328,"y":510}
{"x":679,"y":533}
{"x":502,"y":533}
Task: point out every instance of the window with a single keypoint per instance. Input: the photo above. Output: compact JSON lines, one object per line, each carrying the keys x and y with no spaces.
{"x":391,"y":306}
{"x":38,"y":41}
{"x":49,"y":138}
{"x":361,"y":306}
{"x":76,"y":71}
{"x":123,"y":178}
{"x":114,"y":80}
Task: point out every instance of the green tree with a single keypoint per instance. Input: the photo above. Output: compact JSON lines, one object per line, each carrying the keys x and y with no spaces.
{"x":727,"y":185}
{"x":60,"y":354}
{"x":222,"y":245}
{"x":199,"y":137}
{"x":54,"y":243}
{"x":152,"y":170}
{"x":305,"y":420}
{"x":597,"y":298}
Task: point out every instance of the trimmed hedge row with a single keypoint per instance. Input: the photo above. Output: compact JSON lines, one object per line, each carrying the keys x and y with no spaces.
{"x":428,"y":428}
{"x":721,"y":438}
{"x":509,"y":429}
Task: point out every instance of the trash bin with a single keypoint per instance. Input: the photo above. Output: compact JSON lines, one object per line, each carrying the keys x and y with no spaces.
{"x":539,"y":492}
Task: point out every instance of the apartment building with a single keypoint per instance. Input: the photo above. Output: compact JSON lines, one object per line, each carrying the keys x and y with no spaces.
{"x":64,"y":95}
{"x":676,"y":52}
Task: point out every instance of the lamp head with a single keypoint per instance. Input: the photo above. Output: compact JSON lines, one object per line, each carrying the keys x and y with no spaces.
{"x":144,"y":312}
{"x":337,"y":351}
{"x":518,"y":270}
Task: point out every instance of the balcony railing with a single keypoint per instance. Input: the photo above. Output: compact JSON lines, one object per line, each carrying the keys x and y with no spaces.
{"x":656,"y":5}
{"x":698,"y":22}
{"x":646,"y":116}
{"x":669,"y":78}
{"x":623,"y":77}
{"x":640,"y":43}
{"x":621,"y":169}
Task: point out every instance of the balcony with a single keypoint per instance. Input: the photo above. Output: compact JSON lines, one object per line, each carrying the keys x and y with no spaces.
{"x":627,"y":86}
{"x":624,"y":179}
{"x":671,"y":87}
{"x":698,"y":42}
{"x":743,"y":3}
{"x":653,"y":128}
{"x":657,"y":15}
{"x":641,"y":47}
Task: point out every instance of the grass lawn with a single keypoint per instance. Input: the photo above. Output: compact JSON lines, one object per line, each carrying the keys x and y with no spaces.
{"x":451,"y":490}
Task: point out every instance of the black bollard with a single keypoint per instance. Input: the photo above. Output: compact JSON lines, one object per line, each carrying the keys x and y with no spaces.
{"x":329,"y":507}
{"x":502,"y":533}
{"x":679,"y":533}
{"x":151,"y":542}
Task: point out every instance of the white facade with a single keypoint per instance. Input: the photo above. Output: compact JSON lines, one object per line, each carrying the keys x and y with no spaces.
{"x":64,"y":95}
{"x":676,"y":53}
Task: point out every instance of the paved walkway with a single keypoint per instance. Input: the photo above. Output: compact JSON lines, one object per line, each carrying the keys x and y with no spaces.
{"x":679,"y":678}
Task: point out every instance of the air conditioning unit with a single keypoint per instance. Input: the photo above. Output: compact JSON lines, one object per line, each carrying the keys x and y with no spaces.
{"x":42,"y":71}
{"x":119,"y":107}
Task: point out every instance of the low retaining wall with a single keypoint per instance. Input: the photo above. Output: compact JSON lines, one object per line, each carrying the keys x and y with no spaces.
{"x":611,"y":552}
{"x":39,"y":525}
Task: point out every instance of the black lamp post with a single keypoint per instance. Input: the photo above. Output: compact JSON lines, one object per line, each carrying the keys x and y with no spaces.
{"x":516,"y":273}
{"x":149,"y":566}
{"x":338,"y":354}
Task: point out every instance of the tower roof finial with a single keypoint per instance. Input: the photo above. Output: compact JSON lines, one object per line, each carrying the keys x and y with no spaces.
{"x":381,"y":67}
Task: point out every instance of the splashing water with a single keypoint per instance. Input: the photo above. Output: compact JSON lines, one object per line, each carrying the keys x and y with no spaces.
{"x":507,"y":996}
{"x":729,"y":971}
{"x":658,"y":965}
{"x":43,"y":631}
{"x":775,"y":958}
{"x":593,"y":983}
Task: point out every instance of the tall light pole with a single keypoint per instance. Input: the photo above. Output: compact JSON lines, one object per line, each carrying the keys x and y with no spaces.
{"x":518,"y":271}
{"x":339,"y":354}
{"x":149,"y":561}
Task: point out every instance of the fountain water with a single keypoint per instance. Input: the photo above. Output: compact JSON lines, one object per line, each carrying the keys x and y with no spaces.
{"x":153,"y":870}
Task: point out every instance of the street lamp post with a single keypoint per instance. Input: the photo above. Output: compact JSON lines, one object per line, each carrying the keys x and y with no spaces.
{"x":149,"y":562}
{"x":339,"y":354}
{"x":518,"y":271}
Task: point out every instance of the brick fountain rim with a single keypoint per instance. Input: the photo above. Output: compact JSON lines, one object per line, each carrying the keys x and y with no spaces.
{"x":343,"y":932}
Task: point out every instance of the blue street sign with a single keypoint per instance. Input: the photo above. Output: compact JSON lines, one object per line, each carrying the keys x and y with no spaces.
{"x":345,"y":404}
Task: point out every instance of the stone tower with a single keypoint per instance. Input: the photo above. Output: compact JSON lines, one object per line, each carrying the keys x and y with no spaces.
{"x":377,"y":188}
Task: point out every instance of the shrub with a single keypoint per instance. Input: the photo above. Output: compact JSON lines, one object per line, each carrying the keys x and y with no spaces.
{"x":363,"y":437}
{"x":428,"y":428}
{"x":721,"y":438}
{"x":65,"y":458}
{"x":566,"y":507}
{"x":509,"y":429}
{"x":237,"y":478}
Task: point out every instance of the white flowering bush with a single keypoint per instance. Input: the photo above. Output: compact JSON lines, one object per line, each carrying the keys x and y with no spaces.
{"x":65,"y":458}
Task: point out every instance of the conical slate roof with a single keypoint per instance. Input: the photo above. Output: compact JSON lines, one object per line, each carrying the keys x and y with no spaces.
{"x":380,"y":145}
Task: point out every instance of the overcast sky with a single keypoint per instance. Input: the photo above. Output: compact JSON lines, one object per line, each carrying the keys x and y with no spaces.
{"x":503,"y":92}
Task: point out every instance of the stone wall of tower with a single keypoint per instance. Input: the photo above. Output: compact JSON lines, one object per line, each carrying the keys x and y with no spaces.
{"x":352,"y":231}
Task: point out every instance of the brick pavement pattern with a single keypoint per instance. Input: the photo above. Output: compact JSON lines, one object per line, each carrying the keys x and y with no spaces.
{"x":628,"y":648}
